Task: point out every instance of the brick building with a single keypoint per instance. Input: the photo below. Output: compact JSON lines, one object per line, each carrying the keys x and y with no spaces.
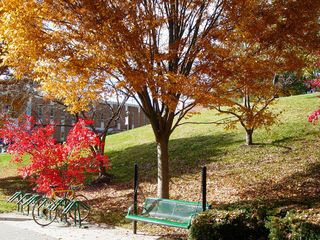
{"x":131,"y":116}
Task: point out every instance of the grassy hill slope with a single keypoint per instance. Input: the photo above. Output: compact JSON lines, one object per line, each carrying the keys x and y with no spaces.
{"x":281,"y":170}
{"x":193,"y":145}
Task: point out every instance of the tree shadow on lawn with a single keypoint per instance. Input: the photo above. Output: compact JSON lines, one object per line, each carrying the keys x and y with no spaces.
{"x":286,"y":142}
{"x":108,"y":211}
{"x":299,"y":190}
{"x":10,"y":185}
{"x":186,"y":155}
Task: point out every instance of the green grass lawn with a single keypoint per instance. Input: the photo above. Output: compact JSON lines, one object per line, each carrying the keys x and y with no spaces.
{"x":282,"y":169}
{"x":7,"y":170}
{"x":194,"y":145}
{"x":10,"y":182}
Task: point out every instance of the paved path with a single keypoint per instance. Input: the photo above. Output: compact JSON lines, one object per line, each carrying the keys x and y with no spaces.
{"x":15,"y":226}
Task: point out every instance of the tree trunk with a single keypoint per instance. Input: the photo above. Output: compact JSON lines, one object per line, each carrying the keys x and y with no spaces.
{"x":249,"y":133}
{"x":163,"y":167}
{"x":103,"y":170}
{"x":104,"y":177}
{"x":102,"y":167}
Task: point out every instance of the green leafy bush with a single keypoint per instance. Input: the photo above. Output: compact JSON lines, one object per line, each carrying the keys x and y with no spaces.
{"x":228,"y":225}
{"x":293,"y":226}
{"x":254,"y":224}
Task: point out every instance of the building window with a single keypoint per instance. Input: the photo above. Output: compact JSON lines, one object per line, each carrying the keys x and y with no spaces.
{"x":62,"y":135}
{"x":63,"y":122}
{"x":40,"y":111}
{"x":62,"y":127}
{"x":51,"y":113}
{"x":132,"y":120}
{"x":73,"y":120}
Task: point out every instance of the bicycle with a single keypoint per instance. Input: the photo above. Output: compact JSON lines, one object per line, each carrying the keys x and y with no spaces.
{"x":46,"y":209}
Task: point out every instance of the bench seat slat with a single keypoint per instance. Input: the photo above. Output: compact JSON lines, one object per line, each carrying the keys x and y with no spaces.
{"x":158,"y":221}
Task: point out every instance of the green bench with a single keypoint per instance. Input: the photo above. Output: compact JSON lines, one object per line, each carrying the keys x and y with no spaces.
{"x":173,"y":213}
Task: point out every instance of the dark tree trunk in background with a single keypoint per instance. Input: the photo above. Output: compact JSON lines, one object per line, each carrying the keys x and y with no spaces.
{"x":249,"y":134}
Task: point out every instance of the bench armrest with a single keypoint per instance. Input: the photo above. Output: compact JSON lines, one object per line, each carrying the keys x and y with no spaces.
{"x":130,"y":209}
{"x":192,"y":217}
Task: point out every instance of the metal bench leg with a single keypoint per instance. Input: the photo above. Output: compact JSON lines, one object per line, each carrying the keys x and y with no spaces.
{"x":134,"y":227}
{"x":135,"y":196}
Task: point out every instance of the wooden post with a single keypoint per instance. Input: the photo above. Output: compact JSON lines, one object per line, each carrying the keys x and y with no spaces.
{"x":204,"y":188}
{"x":135,"y":197}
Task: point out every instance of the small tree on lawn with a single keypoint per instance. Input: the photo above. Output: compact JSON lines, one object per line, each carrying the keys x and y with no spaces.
{"x":250,"y":107}
{"x":267,"y":41}
{"x":51,"y":162}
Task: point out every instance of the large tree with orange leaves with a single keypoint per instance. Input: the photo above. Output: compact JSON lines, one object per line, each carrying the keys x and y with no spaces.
{"x":154,"y":49}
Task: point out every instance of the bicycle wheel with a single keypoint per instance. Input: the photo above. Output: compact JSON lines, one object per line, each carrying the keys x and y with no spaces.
{"x":84,"y":210}
{"x":42,"y":213}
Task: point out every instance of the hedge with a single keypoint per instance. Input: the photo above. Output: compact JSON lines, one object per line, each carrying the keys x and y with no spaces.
{"x":253,"y":224}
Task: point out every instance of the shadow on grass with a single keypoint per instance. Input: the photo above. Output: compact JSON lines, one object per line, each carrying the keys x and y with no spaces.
{"x":110,"y":208}
{"x":10,"y":185}
{"x":186,"y":156}
{"x":286,"y":143}
{"x":300,"y":190}
{"x":274,"y":144}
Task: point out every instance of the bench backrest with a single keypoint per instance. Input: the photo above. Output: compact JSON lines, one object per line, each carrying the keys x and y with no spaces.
{"x":174,"y":210}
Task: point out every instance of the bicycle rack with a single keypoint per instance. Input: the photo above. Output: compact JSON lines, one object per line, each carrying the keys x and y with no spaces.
{"x":27,"y":199}
{"x":31,"y":200}
{"x":24,"y":199}
{"x":75,"y":206}
{"x":16,"y":196}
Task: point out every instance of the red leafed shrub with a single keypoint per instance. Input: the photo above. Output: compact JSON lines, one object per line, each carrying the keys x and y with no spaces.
{"x":313,"y":117}
{"x":52,"y":162}
{"x":315,"y":85}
